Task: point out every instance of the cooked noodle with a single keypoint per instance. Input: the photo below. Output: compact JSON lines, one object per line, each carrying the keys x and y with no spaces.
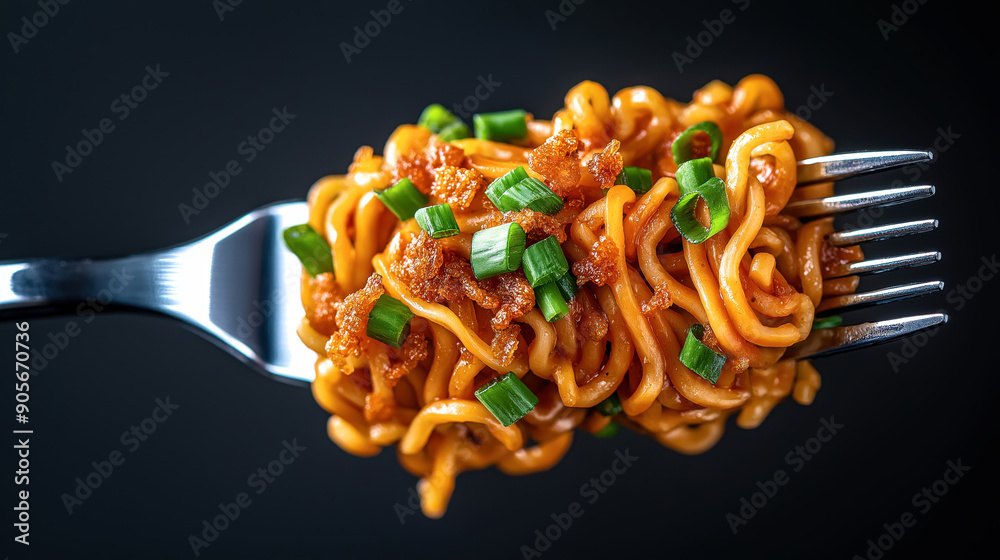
{"x":754,"y":286}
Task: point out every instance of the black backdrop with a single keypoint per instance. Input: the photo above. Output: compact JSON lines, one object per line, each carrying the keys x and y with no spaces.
{"x":906,"y":410}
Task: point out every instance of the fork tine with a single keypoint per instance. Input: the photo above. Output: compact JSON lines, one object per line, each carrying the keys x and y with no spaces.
{"x":841,"y":339}
{"x":874,"y":266}
{"x":847,"y":202}
{"x":878,"y":233}
{"x":850,"y":302}
{"x":841,"y":166}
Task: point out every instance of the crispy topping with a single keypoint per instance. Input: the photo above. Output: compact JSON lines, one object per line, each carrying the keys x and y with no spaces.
{"x":660,"y":300}
{"x":441,"y":154}
{"x":326,"y":298}
{"x":537,"y":225}
{"x":352,"y":322}
{"x":594,"y":325}
{"x":600,"y":266}
{"x":605,"y":166}
{"x":515,"y":297}
{"x":504,"y":343}
{"x":456,"y":185}
{"x":437,"y":276}
{"x":413,"y":351}
{"x":558,"y":160}
{"x":414,"y":167}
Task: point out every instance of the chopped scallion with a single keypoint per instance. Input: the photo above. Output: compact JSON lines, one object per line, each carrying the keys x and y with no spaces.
{"x":403,"y":199}
{"x":501,"y":126}
{"x":497,"y":250}
{"x":438,"y":221}
{"x":827,"y":322}
{"x":610,"y":406}
{"x":693,"y":173}
{"x":550,"y":302}
{"x":435,"y":117}
{"x":389,"y":321}
{"x":454,"y":131}
{"x":310,"y":247}
{"x":507,"y":398}
{"x":531,"y":193}
{"x":639,"y":179}
{"x":567,"y":285}
{"x":544,"y":262}
{"x":713,"y":192}
{"x":700,"y":358}
{"x":506,"y":181}
{"x":691,"y":143}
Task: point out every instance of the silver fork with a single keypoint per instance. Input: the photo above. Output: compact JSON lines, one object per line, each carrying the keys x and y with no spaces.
{"x":240,"y":287}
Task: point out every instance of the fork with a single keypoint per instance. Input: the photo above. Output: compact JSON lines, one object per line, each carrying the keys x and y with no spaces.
{"x":240,"y":287}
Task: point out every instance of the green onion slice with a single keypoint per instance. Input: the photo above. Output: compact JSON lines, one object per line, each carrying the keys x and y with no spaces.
{"x":544,"y":262}
{"x":454,"y":131}
{"x":507,"y":398}
{"x":713,"y":192}
{"x":551,"y":302}
{"x":611,"y":430}
{"x":501,"y":184}
{"x":531,"y":193}
{"x":403,"y":199}
{"x":435,"y":117}
{"x":827,"y":322}
{"x":693,"y":173}
{"x":639,"y":179}
{"x":438,"y":221}
{"x":700,"y":358}
{"x":567,"y":285}
{"x":690,"y":144}
{"x":389,"y":321}
{"x":501,"y":126}
{"x":610,"y":406}
{"x":497,"y":250}
{"x":310,"y":247}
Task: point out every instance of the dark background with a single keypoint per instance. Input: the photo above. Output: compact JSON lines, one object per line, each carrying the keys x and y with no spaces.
{"x":901,"y":427}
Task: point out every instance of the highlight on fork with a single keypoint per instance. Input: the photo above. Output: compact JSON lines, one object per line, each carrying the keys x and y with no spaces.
{"x":628,"y":262}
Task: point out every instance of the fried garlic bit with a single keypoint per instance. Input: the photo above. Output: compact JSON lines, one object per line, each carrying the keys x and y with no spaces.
{"x":558,"y":161}
{"x":607,"y":164}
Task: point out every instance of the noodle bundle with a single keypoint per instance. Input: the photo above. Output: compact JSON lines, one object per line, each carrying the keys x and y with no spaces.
{"x":753,"y":286}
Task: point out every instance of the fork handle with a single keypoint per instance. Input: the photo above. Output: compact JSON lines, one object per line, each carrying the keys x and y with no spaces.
{"x":43,"y":284}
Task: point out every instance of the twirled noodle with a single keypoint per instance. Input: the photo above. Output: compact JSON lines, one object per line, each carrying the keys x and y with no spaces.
{"x":754,"y":286}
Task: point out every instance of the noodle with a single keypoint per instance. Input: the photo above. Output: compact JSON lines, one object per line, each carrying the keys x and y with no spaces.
{"x":754,"y":285}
